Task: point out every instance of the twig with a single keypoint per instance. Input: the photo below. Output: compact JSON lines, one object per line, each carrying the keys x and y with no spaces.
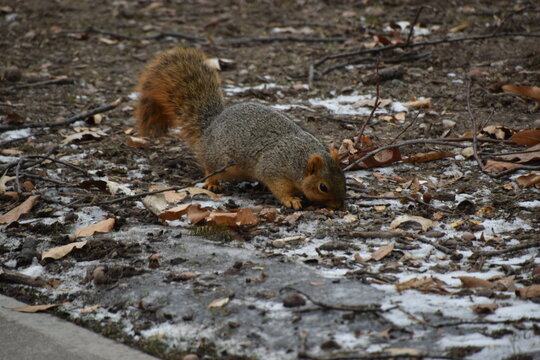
{"x":265,"y":39}
{"x":406,"y":128}
{"x":375,"y":106}
{"x":419,"y":44}
{"x":474,"y":126}
{"x":454,"y":254}
{"x":400,"y":59}
{"x":58,"y":182}
{"x":403,"y":143}
{"x":353,"y":308}
{"x":400,"y":197}
{"x":411,"y":31}
{"x":59,"y":81}
{"x":18,"y":278}
{"x":526,"y":245}
{"x":172,"y":188}
{"x":98,"y":110}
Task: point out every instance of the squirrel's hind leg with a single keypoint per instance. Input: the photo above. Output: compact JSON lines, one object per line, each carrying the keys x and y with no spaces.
{"x":234,"y":172}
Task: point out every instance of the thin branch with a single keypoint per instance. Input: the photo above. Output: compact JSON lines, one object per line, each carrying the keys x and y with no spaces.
{"x":475,"y":129}
{"x":59,"y":81}
{"x":411,"y":31}
{"x":419,"y":44}
{"x":375,"y":106}
{"x":403,"y":143}
{"x":406,"y":128}
{"x":400,"y":197}
{"x":525,"y":245}
{"x":454,"y":254}
{"x":98,"y":110}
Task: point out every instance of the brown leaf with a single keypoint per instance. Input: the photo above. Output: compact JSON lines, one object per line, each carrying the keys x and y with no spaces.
{"x":485,"y":308}
{"x":525,"y":157}
{"x":472,"y":282}
{"x":528,"y":137}
{"x":269,"y":214}
{"x":137,"y":142}
{"x":172,"y":196}
{"x":430,"y":156}
{"x":34,"y":308}
{"x":498,"y":166}
{"x":532,"y":92}
{"x":104,"y":226}
{"x":382,"y":252}
{"x":61,"y":251}
{"x":402,"y":219}
{"x":418,"y":104}
{"x":425,"y":284}
{"x":246,"y":217}
{"x":528,"y":292}
{"x":220,"y":217}
{"x":197,"y":214}
{"x":15,"y":214}
{"x":528,"y":180}
{"x":175,"y":213}
{"x":192,"y":191}
{"x":497,"y":131}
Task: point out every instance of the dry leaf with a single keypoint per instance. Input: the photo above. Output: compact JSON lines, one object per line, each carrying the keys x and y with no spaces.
{"x":527,"y":137}
{"x":172,"y":196}
{"x":155,"y":203}
{"x":498,"y":166}
{"x":84,"y":135}
{"x":246,"y":217}
{"x":403,"y":351}
{"x":498,"y":132}
{"x":192,"y":191}
{"x":175,"y":213}
{"x":430,"y":156}
{"x":425,"y":223}
{"x":90,"y":309}
{"x":220,"y":217}
{"x":472,"y":282}
{"x":460,"y":27}
{"x":104,"y":226}
{"x":528,"y":180}
{"x":15,"y":214}
{"x":418,"y":104}
{"x":11,"y":152}
{"x":532,"y":92}
{"x":371,"y":103}
{"x":137,"y":142}
{"x":4,"y":180}
{"x":382,"y":252}
{"x":528,"y":292}
{"x":525,"y":157}
{"x":197,"y":214}
{"x":219,"y":303}
{"x":61,"y":251}
{"x":425,"y":284}
{"x":35,"y":308}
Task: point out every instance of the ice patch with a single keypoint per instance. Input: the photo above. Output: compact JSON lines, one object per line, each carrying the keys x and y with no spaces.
{"x":15,"y":134}
{"x":529,"y":204}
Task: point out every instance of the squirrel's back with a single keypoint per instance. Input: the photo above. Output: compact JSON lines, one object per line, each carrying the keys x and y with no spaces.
{"x":178,"y":88}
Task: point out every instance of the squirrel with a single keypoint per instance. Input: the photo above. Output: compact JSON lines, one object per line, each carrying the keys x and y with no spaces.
{"x":179,"y":89}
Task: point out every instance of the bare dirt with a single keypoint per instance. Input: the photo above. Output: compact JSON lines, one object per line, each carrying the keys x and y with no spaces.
{"x":319,"y":297}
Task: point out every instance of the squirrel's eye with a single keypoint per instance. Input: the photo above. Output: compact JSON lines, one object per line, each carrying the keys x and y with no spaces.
{"x":323,"y":187}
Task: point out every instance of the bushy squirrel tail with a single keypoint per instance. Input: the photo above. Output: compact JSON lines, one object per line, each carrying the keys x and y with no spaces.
{"x":178,"y":88}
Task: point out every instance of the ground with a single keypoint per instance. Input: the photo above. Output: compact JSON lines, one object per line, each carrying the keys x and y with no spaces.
{"x":348,"y":284}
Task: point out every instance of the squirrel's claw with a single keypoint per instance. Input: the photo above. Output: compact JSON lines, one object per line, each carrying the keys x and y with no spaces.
{"x":212,"y":187}
{"x":292,"y":202}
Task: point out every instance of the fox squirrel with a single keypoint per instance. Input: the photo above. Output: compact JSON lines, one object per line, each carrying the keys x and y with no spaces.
{"x":178,"y":88}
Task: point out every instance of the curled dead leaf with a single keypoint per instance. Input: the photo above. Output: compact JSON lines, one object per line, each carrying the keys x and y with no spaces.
{"x":137,"y":142}
{"x":418,"y":104}
{"x":472,"y":282}
{"x":528,"y":180}
{"x":61,"y":251}
{"x":175,"y":213}
{"x":382,"y":251}
{"x":35,"y":308}
{"x":496,"y":167}
{"x":528,"y":292}
{"x":532,"y":92}
{"x":429,"y":156}
{"x":104,"y":226}
{"x":24,"y":208}
{"x":527,"y":137}
{"x":403,"y":219}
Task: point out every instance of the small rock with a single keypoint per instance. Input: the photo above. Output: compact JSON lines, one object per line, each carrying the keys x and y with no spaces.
{"x":448,"y":124}
{"x":293,"y":300}
{"x":13,"y":74}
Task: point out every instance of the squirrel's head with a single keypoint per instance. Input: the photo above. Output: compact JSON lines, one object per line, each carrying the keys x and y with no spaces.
{"x":324,"y":181}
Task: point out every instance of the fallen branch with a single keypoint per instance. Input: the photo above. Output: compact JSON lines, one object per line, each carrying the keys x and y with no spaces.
{"x":400,"y":197}
{"x":453,"y":254}
{"x":18,"y":278}
{"x":71,"y":120}
{"x":526,"y":245}
{"x":59,"y":81}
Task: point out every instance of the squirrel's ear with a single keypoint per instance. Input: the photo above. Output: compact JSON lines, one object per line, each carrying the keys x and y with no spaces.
{"x":334,"y":154}
{"x":315,"y":163}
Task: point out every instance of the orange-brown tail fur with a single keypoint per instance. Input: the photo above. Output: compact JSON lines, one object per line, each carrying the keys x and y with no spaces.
{"x":178,"y":88}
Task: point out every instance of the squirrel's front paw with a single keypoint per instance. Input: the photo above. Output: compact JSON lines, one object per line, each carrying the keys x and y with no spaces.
{"x":213,"y":187}
{"x":293,"y":202}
